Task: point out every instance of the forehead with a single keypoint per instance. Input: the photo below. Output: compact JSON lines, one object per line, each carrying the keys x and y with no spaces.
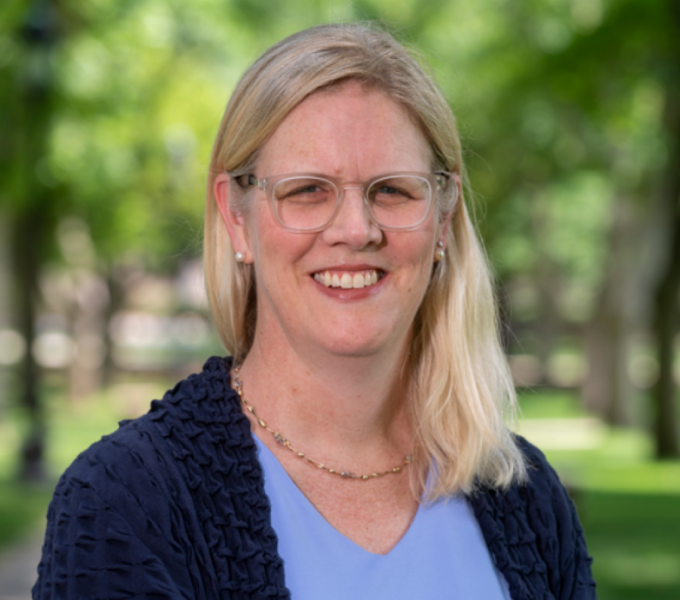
{"x":348,"y":130}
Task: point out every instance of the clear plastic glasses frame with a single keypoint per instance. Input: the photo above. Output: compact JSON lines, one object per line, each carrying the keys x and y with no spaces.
{"x":433,"y":183}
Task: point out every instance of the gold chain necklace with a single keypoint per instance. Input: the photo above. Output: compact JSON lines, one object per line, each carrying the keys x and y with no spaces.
{"x":238,"y":386}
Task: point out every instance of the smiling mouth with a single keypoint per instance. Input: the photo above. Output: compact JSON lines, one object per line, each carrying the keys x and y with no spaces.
{"x":348,"y":280}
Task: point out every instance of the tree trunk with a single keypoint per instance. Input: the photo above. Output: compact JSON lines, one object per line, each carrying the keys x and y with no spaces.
{"x":666,"y":312}
{"x":666,"y":325}
{"x":666,"y":307}
{"x":27,"y":263}
{"x":36,"y":210}
{"x":607,"y":389}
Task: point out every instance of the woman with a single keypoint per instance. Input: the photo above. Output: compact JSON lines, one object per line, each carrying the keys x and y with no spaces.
{"x":355,"y":442}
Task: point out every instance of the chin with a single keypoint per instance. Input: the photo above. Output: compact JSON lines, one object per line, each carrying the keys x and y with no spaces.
{"x":352,"y":346}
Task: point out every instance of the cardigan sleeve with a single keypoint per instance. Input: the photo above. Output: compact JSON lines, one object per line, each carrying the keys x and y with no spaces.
{"x":533,"y":532}
{"x":115,"y":529}
{"x":561,"y":541}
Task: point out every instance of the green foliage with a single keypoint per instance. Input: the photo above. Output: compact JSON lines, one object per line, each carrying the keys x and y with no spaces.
{"x":562,"y":107}
{"x":560,"y":103}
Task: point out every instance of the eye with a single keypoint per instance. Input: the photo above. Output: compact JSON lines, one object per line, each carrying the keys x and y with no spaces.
{"x":398,"y":190}
{"x":303,"y":191}
{"x":386,"y":189}
{"x":311,"y":188}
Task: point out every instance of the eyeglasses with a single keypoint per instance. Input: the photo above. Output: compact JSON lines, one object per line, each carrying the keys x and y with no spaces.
{"x":309,"y":202}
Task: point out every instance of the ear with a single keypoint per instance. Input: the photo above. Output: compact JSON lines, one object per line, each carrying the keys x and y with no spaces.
{"x":233,"y":221}
{"x":445,"y":222}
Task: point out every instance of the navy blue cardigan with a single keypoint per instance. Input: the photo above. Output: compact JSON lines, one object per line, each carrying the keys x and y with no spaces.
{"x":172,"y":505}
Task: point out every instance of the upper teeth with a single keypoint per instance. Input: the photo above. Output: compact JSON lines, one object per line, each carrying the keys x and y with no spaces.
{"x":347,"y":280}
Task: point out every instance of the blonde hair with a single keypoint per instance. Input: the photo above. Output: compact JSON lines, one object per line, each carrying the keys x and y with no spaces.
{"x":460,"y":391}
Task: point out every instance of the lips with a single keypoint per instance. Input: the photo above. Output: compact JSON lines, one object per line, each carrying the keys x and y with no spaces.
{"x":348,"y":279}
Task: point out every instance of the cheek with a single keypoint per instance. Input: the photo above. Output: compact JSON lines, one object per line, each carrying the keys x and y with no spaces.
{"x":262,"y":234}
{"x":278,"y":254}
{"x":413,"y":248}
{"x":414,"y":257}
{"x":423,"y":261}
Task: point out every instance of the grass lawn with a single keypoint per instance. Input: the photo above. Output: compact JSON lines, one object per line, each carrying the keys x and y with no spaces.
{"x":635,"y":539}
{"x":21,"y":508}
{"x":628,"y":504}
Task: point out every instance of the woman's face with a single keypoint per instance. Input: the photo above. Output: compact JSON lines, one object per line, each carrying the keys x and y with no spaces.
{"x":351,"y":133}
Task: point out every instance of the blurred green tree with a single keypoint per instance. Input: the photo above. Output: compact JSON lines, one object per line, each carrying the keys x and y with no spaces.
{"x":568,"y":109}
{"x":31,"y":206}
{"x":567,"y":106}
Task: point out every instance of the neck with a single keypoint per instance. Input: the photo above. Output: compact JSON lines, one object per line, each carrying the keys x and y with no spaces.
{"x":345,"y":408}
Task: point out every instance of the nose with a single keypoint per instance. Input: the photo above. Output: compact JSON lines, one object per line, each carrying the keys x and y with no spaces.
{"x":352,"y":224}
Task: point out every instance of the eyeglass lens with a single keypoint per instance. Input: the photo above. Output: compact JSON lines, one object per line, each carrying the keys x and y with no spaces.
{"x":308,"y":202}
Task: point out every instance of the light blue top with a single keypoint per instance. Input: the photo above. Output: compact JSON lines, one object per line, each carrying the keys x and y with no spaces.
{"x":442,"y":555}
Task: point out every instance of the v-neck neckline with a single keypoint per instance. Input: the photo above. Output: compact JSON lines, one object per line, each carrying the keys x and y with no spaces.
{"x":297,"y":492}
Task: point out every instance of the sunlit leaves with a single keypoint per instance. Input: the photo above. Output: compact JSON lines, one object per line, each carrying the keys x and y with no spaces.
{"x":554,"y":97}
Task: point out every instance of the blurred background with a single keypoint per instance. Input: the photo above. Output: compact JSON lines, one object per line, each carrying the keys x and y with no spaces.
{"x":570,"y":114}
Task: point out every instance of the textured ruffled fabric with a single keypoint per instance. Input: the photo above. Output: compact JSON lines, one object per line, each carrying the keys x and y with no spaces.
{"x":534,"y":535}
{"x":172,"y":505}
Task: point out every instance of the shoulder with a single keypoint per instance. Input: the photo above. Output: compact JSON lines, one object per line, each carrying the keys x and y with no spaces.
{"x":111,"y":514}
{"x":139,"y":447}
{"x":542,"y":494}
{"x":134,"y":470}
{"x":147,"y":456}
{"x":201,"y":408}
{"x":533,"y":531}
{"x":128,"y":499}
{"x":543,"y":483}
{"x":542,"y":491}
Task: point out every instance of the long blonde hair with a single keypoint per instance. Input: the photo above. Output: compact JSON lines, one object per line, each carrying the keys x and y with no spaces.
{"x":461,"y":392}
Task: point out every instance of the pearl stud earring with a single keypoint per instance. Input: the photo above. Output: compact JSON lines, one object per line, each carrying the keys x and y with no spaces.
{"x":439,"y":254}
{"x":239,"y":257}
